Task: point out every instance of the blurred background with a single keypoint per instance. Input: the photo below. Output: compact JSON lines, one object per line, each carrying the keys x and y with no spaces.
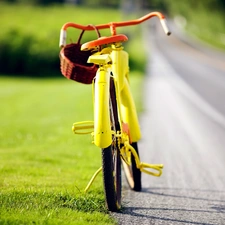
{"x":183,"y":122}
{"x":30,"y":28}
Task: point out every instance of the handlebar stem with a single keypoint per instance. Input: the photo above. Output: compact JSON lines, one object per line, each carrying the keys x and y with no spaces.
{"x":112,"y":28}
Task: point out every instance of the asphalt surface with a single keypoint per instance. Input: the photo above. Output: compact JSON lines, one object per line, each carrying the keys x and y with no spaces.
{"x":183,"y":127}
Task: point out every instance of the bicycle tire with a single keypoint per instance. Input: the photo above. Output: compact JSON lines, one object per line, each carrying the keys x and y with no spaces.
{"x":132,"y":173}
{"x":111,"y":162}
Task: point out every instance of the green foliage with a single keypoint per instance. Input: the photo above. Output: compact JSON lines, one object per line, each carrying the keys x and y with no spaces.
{"x":96,"y":3}
{"x":20,"y":54}
{"x":29,"y":44}
{"x":205,"y":19}
{"x":187,"y":7}
{"x":184,"y":6}
{"x":35,"y":2}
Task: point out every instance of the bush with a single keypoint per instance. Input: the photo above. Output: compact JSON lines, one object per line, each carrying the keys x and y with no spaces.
{"x":24,"y":54}
{"x":35,"y":2}
{"x":29,"y":45}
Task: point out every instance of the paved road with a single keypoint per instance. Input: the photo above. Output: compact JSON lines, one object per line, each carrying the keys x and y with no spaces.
{"x":183,"y":127}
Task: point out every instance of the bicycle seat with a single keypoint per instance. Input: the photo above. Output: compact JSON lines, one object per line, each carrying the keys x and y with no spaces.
{"x":103,"y":40}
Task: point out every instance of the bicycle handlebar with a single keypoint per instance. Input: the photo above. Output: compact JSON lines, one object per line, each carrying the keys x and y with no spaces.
{"x":112,"y":26}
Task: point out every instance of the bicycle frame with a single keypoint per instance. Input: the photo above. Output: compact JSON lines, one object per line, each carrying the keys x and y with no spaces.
{"x":115,"y":63}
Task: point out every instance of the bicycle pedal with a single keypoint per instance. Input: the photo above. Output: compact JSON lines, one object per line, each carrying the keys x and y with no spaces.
{"x":146,"y":168}
{"x":84,"y":127}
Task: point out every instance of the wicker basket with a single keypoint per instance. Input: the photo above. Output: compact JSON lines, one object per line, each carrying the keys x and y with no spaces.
{"x":73,"y":62}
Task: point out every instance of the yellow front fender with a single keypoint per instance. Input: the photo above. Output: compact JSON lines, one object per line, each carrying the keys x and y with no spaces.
{"x":102,"y":127}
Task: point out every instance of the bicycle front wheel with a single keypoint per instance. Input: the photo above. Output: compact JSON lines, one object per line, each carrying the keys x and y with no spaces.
{"x":111,"y":168}
{"x":111,"y":162}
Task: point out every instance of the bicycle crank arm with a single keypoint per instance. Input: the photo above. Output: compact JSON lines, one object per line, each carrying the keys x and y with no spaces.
{"x":126,"y":152}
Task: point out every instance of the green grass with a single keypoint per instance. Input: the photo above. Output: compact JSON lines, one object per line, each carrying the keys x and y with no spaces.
{"x":44,"y":167}
{"x":51,"y":208}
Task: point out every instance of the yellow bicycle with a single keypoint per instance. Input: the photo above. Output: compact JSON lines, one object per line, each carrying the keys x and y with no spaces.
{"x":115,"y":128}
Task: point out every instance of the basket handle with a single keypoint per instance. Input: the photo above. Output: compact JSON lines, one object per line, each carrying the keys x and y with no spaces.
{"x":82,"y":32}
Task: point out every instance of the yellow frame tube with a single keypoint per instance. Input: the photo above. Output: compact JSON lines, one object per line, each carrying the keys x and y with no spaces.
{"x":129,"y":112}
{"x":126,"y":105}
